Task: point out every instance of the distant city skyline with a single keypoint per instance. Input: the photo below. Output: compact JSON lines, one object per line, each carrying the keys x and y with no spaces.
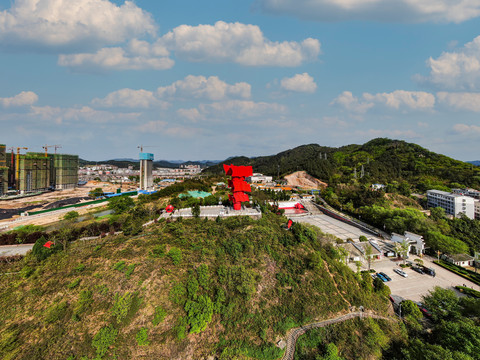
{"x":207,"y":80}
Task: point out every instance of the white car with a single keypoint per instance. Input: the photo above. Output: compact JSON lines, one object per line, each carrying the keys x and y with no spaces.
{"x":401,"y":272}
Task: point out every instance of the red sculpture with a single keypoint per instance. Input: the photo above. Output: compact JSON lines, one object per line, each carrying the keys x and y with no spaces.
{"x":238,"y":184}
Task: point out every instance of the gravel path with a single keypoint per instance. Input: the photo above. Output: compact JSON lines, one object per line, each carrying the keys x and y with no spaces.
{"x":295,"y":333}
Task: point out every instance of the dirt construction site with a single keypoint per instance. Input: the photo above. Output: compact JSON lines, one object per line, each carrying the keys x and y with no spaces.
{"x":10,"y":209}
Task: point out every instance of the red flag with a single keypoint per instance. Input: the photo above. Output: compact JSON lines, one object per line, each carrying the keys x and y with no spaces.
{"x":48,"y":244}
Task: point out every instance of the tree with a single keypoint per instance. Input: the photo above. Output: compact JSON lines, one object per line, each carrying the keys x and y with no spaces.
{"x":419,"y":261}
{"x":95,"y":193}
{"x":437,"y":213}
{"x":120,"y":204}
{"x":71,"y":215}
{"x":442,"y":303}
{"x":402,"y":249}
{"x":409,"y":308}
{"x":363,"y":238}
{"x":196,"y":210}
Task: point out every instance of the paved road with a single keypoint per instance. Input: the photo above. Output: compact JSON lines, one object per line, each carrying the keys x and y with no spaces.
{"x":335,"y":227}
{"x":297,"y":332}
{"x":10,"y":250}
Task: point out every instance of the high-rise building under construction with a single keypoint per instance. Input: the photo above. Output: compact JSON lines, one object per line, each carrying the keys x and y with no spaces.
{"x":3,"y":171}
{"x":35,"y":171}
{"x":146,"y":167}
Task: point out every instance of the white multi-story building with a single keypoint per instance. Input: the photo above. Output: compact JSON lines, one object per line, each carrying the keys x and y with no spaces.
{"x":477,"y":209}
{"x":412,"y":240}
{"x":258,"y":178}
{"x":454,"y":204}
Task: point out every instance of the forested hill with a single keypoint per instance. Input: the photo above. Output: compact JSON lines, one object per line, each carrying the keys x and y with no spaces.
{"x":383,"y":160}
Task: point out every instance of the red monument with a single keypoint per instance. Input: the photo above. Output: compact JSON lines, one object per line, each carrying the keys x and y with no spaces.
{"x":238,"y":184}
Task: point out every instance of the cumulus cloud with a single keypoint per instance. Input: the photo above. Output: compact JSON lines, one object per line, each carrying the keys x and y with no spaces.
{"x":460,"y":101}
{"x":211,"y":88}
{"x":238,"y":109}
{"x":191,"y":87}
{"x":458,"y":69}
{"x":299,"y":83}
{"x":68,"y":25}
{"x":219,"y":43}
{"x":83,"y":114}
{"x":23,"y":99}
{"x":130,"y":98}
{"x":238,"y":43}
{"x":408,"y":11}
{"x":115,"y":58}
{"x":351,"y":103}
{"x":466,"y":129}
{"x":398,"y":99}
{"x":414,"y":100}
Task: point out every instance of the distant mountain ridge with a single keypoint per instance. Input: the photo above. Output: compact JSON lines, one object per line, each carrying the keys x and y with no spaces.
{"x":125,"y":162}
{"x":379,"y":160}
{"x":476,"y":162}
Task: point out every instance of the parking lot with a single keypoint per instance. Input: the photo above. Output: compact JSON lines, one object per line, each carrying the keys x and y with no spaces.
{"x":416,"y":285}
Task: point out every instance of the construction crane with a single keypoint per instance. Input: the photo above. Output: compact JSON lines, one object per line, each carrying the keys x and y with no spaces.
{"x":17,"y":167}
{"x":48,"y":146}
{"x":141,"y":147}
{"x":12,"y":164}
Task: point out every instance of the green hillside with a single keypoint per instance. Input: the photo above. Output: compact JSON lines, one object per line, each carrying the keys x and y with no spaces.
{"x":180,"y":290}
{"x":383,"y":161}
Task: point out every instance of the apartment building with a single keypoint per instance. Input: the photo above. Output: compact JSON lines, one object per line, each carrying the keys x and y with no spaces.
{"x":454,"y":204}
{"x":467,"y":192}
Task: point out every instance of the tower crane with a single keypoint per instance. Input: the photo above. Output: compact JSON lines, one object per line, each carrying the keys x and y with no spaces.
{"x":48,"y":146}
{"x":141,"y":147}
{"x":17,"y":167}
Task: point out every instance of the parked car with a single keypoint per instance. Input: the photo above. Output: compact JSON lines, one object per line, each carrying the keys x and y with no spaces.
{"x":418,"y":269}
{"x":401,"y":272}
{"x":388,"y":278}
{"x":429,"y":271}
{"x":381,"y":277}
{"x":424,"y":310}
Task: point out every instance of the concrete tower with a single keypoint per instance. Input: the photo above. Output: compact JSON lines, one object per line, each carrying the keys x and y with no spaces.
{"x":146,"y":167}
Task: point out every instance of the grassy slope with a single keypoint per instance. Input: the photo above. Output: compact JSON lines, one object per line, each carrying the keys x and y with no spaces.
{"x":270,"y":281}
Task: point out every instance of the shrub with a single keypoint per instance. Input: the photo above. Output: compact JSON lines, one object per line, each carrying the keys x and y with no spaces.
{"x":104,"y":339}
{"x":56,"y":312}
{"x":158,"y":251}
{"x":122,"y":305}
{"x":41,"y":252}
{"x":71,"y":215}
{"x":130,"y":270}
{"x":176,"y":256}
{"x":199,"y":314}
{"x":80,"y":268}
{"x":142,"y":337}
{"x":119,"y":266}
{"x":74,"y":283}
{"x":159,"y":316}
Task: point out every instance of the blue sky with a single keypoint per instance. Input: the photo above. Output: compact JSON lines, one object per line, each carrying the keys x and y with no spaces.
{"x":212,"y":79}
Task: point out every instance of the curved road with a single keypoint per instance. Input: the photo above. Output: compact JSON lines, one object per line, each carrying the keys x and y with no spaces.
{"x":295,"y":333}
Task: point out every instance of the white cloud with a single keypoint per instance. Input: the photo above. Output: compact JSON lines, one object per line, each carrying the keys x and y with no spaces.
{"x":238,"y":109}
{"x":457,"y":70}
{"x":82,"y":114}
{"x":408,"y":11}
{"x":299,"y":83}
{"x":22,"y":99}
{"x":130,"y":98}
{"x":67,"y":25}
{"x":398,"y":99}
{"x":238,"y":43}
{"x":190,"y":114}
{"x":414,"y":100}
{"x":114,"y":58}
{"x":460,"y":101}
{"x":351,"y":103}
{"x":466,"y":129}
{"x":333,"y":121}
{"x":211,"y":88}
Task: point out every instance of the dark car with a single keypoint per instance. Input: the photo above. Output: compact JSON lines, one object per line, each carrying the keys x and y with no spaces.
{"x":418,"y":269}
{"x":429,"y":271}
{"x":385,"y":276}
